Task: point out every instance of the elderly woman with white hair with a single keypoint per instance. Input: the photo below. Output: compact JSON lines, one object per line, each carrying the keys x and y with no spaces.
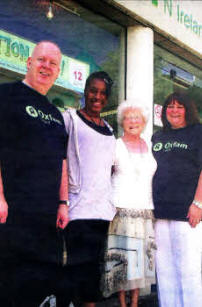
{"x":130,"y":249}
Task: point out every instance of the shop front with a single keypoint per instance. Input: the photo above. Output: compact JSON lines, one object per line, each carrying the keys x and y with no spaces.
{"x":150,"y":48}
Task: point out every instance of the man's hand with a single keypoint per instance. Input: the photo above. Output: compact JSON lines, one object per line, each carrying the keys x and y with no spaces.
{"x":194,"y":215}
{"x":3,"y":211}
{"x":62,"y":216}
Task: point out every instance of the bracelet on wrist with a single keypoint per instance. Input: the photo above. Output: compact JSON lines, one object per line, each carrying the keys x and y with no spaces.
{"x":197,"y":203}
{"x":64,"y":202}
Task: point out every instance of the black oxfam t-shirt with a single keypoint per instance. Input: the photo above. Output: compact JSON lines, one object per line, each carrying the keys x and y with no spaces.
{"x":178,"y":153}
{"x":32,"y":147}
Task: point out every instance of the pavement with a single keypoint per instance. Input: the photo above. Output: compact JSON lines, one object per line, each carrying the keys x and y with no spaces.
{"x":144,"y":301}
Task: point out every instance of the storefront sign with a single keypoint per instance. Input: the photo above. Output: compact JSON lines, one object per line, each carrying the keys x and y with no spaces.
{"x":15,"y":50}
{"x":184,"y":17}
{"x":181,"y":19}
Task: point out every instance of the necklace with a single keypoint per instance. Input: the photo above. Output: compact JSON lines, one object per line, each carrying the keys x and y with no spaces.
{"x":138,"y":159}
{"x":134,"y":149}
{"x":87,"y":116}
{"x":92,"y":119}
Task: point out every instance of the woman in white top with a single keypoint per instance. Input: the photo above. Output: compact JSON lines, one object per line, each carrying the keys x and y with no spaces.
{"x":131,"y":239}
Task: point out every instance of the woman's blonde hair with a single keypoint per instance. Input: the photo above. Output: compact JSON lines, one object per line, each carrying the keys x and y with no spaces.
{"x":129,"y":104}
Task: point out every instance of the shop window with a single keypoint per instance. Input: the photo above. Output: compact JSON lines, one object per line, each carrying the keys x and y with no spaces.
{"x":173,"y":74}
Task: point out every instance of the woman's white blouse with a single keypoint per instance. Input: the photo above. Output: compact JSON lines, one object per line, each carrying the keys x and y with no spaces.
{"x":132,"y":179}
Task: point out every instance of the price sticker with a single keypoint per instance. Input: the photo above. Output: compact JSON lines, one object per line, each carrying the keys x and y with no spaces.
{"x":78,"y":74}
{"x":157,"y":115}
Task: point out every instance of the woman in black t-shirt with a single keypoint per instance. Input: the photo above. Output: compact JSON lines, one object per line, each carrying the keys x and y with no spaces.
{"x":177,"y":193}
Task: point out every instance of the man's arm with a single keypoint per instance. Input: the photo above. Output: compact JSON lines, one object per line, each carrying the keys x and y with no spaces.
{"x":62,"y":214}
{"x":3,"y":203}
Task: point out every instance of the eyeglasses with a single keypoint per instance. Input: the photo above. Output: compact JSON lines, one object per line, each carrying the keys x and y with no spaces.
{"x":133,"y":118}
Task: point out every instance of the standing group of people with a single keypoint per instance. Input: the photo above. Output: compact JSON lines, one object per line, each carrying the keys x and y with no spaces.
{"x":68,"y":170}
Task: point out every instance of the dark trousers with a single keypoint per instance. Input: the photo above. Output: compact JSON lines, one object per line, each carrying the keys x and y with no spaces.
{"x":28,"y":284}
{"x":31,"y":262}
{"x":86,"y":242}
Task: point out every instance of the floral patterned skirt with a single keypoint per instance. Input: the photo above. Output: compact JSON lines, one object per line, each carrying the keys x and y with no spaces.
{"x":129,"y":258}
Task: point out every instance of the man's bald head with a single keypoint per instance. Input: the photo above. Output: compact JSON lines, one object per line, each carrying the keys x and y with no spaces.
{"x":43,"y":66}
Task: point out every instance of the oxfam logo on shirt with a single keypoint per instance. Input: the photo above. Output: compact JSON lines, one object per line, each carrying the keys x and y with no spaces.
{"x":31,"y":111}
{"x":46,"y":118}
{"x":157,"y":147}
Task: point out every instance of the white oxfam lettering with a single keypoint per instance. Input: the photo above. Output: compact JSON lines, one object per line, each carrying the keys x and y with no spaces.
{"x":168,"y":145}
